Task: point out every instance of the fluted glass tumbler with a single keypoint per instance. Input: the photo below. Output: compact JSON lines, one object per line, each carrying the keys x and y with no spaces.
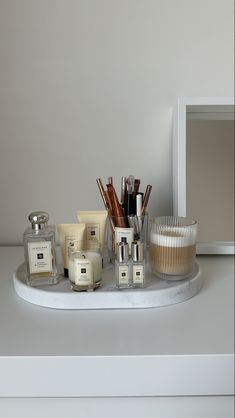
{"x":172,"y":248}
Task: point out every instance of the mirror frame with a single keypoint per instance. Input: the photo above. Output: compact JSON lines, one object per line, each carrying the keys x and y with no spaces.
{"x":179,"y":165}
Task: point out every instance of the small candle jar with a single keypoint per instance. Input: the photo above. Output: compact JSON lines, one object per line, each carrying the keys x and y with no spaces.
{"x":85,"y":268}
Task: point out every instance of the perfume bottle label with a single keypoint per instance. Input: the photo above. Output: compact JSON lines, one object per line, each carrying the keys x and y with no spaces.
{"x":83,"y":272}
{"x":92,"y":232}
{"x":123,"y":275}
{"x":40,"y":259}
{"x":138,"y":274}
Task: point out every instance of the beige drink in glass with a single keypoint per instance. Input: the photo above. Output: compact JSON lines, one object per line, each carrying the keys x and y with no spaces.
{"x":172,"y":247}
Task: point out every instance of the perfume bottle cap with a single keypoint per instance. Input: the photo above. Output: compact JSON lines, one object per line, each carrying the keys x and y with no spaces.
{"x":137,"y":251}
{"x":39,"y":219}
{"x":123,"y":251}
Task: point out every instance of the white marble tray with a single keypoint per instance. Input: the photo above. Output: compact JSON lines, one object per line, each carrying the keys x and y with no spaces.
{"x":156,"y":293}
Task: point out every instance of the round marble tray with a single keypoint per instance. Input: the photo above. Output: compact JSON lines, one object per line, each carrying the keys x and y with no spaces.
{"x":156,"y":293}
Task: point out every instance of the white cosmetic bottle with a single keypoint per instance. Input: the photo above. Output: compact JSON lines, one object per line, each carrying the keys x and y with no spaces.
{"x":138,"y":264}
{"x":123,"y":265}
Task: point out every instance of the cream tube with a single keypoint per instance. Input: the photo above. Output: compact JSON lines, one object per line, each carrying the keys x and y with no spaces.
{"x":70,"y":235}
{"x":95,"y":226}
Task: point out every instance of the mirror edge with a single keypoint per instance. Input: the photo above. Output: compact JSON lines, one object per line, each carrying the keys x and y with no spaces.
{"x":179,"y":165}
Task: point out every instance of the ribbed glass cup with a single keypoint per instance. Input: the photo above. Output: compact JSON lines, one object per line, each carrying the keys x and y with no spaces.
{"x":172,"y":248}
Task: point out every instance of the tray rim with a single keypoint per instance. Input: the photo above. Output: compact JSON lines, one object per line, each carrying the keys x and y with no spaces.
{"x":174,"y":292}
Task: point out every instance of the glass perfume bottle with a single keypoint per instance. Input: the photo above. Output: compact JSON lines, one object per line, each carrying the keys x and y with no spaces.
{"x":39,"y":249}
{"x":138,"y":264}
{"x":123,"y":265}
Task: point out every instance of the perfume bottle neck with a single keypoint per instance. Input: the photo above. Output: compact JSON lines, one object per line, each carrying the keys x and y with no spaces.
{"x":39,"y":226}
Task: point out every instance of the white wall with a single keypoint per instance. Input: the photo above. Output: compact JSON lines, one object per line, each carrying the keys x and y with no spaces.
{"x":87,"y":90}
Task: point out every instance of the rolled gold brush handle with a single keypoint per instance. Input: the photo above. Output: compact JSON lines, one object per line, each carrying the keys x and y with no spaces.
{"x":146,"y":199}
{"x":106,"y":201}
{"x":116,"y":207}
{"x":136,"y":187}
{"x":102,"y":192}
{"x":110,"y":180}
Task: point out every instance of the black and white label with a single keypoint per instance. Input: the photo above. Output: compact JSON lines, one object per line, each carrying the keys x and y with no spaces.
{"x":83,"y":272}
{"x":92,"y":232}
{"x":123,"y":275}
{"x":138,"y":274}
{"x":40,"y":258}
{"x":71,"y":241}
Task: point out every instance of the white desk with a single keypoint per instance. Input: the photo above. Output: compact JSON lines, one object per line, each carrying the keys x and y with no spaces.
{"x":183,"y":350}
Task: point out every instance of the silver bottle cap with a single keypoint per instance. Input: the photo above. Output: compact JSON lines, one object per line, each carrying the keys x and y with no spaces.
{"x":137,"y":251}
{"x":123,"y":251}
{"x":39,"y":219}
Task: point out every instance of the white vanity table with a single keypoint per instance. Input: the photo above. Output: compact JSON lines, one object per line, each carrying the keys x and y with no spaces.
{"x":174,"y":361}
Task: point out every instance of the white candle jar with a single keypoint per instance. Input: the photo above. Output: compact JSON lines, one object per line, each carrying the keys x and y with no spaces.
{"x":85,"y":268}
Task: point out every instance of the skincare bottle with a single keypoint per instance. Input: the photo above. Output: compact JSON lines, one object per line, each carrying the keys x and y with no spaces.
{"x":138,"y":264}
{"x":122,"y":265}
{"x":70,"y":235}
{"x":39,"y":249}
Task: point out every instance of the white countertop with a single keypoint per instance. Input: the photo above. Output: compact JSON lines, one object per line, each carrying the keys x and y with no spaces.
{"x":183,"y":349}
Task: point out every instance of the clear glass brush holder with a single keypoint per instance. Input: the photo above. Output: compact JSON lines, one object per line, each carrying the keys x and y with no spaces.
{"x":172,"y":247}
{"x":132,"y":227}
